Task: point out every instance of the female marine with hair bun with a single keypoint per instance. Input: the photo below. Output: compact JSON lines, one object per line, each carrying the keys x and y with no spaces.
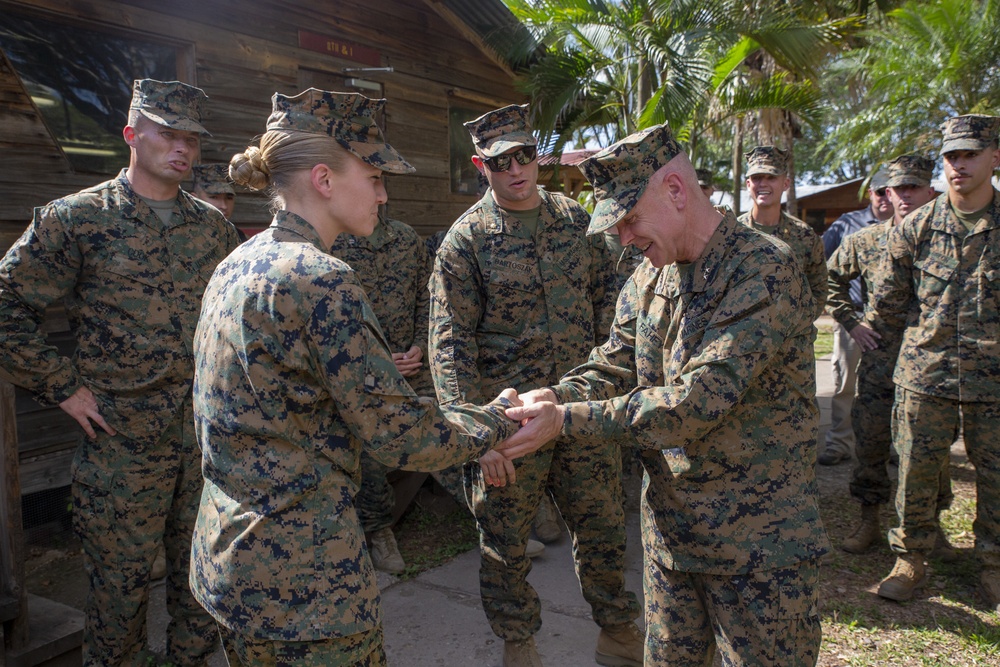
{"x":293,"y":378}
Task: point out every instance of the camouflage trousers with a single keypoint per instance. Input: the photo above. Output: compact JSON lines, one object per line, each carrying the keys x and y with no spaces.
{"x":759,"y":619}
{"x":376,"y":498}
{"x":586,"y":484}
{"x":364,"y":649}
{"x":923,"y":430}
{"x":872,"y":416}
{"x":128,"y":497}
{"x":840,"y":437}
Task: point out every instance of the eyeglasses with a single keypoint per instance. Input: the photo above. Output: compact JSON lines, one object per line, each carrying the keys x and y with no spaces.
{"x":880,"y":192}
{"x":523,"y":155}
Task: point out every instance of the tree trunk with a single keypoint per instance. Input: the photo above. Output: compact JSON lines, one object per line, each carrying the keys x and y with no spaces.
{"x":737,"y":163}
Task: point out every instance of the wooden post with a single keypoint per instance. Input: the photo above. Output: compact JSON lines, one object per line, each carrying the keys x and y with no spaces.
{"x":13,"y":595}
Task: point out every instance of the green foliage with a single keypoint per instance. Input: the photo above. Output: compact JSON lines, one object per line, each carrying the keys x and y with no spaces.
{"x":925,"y":62}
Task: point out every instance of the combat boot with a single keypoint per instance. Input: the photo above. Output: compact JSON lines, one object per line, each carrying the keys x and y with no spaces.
{"x":942,"y":547}
{"x":620,"y":646}
{"x":521,"y":654}
{"x":534,"y":549}
{"x":159,"y":569}
{"x":989,"y":587}
{"x":867,"y":532}
{"x":909,"y":573}
{"x":385,"y":552}
{"x":547,"y":527}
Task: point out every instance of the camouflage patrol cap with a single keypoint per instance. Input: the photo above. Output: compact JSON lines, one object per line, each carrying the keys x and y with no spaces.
{"x":620,"y":172}
{"x":767,"y":160}
{"x":909,"y":170}
{"x":969,"y":133}
{"x":705,"y":178}
{"x":347,"y":117}
{"x":170,"y":103}
{"x":879,"y":179}
{"x":212,"y":179}
{"x":501,"y":130}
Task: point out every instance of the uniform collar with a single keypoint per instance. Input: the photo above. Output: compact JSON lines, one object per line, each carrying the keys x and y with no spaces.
{"x":499,"y":222}
{"x":290,"y":222}
{"x":697,"y":275}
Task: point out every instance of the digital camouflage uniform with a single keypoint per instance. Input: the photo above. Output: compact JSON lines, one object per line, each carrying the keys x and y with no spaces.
{"x":807,"y":248}
{"x":294,"y":378}
{"x":806,"y":245}
{"x":393,"y":268}
{"x":940,"y":287}
{"x":858,"y":257}
{"x":284,"y":406}
{"x":709,"y":371}
{"x":512,"y":310}
{"x":132,"y":289}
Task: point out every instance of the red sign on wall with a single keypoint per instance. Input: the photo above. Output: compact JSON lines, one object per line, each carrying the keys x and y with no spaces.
{"x":339,"y":48}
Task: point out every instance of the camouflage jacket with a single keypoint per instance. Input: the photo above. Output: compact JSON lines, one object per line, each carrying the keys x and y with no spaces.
{"x":132,"y":289}
{"x":857,"y":256}
{"x":940,"y":287}
{"x":293,"y":378}
{"x":710,"y":371}
{"x":626,"y":259}
{"x":509,"y":310}
{"x":393,"y":267}
{"x":807,"y":247}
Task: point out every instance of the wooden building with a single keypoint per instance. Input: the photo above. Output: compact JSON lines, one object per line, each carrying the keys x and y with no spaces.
{"x":66,"y":70}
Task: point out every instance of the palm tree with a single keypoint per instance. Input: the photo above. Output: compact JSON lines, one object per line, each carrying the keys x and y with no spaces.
{"x":611,"y":67}
{"x":925,"y":62}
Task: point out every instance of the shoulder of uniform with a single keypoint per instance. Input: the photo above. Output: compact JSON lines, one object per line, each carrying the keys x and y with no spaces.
{"x":402,"y":228}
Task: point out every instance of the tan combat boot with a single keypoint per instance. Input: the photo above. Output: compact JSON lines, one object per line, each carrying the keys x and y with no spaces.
{"x":546,"y":525}
{"x":521,"y":654}
{"x":989,"y":587}
{"x":620,"y":646}
{"x":909,"y":573}
{"x":867,"y":532}
{"x":159,"y":565}
{"x":942,"y":547}
{"x":385,"y":552}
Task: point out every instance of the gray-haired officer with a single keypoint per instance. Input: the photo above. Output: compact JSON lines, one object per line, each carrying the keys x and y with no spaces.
{"x":709,"y":371}
{"x":130,"y":258}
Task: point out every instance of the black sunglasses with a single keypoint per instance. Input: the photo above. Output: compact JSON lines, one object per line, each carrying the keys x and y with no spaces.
{"x":880,"y":192}
{"x":523,"y":155}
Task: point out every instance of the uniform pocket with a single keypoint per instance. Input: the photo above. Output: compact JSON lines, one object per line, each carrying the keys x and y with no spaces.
{"x":513,"y":293}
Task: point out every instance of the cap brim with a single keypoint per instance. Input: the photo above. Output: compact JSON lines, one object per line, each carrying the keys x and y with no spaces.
{"x":770,"y":171}
{"x":608,"y":212}
{"x":907,"y":180}
{"x":380,"y":155}
{"x":964,"y":145}
{"x":220,"y":190}
{"x":507,"y":142}
{"x":175,"y":122}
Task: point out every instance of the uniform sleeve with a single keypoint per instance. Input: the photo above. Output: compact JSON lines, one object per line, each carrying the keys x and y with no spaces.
{"x":456,"y":307}
{"x":816,"y":274}
{"x":603,"y":279}
{"x":396,"y":426}
{"x":421,"y":313}
{"x":893,"y":280}
{"x":748,"y":329}
{"x":41,"y":267}
{"x":842,"y":268}
{"x":610,"y":370}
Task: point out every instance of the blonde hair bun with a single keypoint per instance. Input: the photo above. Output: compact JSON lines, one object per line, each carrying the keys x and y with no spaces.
{"x":248,"y":169}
